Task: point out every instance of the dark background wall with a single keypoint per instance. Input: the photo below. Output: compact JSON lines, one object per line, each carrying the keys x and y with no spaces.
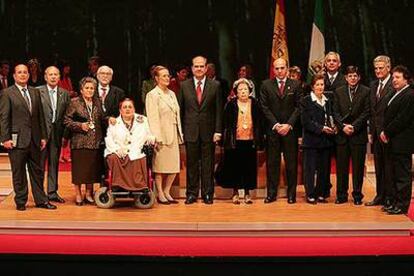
{"x":130,"y":35}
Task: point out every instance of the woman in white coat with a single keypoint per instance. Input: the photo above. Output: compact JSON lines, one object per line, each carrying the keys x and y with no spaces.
{"x":124,"y":142}
{"x":164,"y":120}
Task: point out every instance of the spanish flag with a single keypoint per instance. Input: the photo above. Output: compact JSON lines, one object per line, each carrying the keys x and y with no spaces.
{"x":279,"y":45}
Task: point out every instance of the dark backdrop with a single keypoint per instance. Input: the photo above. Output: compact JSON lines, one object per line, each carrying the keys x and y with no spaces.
{"x":130,"y":35}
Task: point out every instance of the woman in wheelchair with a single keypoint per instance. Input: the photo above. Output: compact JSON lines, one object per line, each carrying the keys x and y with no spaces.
{"x":124,"y":142}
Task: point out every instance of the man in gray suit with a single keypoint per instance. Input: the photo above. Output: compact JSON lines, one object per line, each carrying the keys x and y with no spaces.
{"x":54,"y":102}
{"x":23,"y":134}
{"x":201,"y":112}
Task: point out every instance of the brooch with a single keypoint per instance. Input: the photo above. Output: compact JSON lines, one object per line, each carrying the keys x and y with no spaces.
{"x":140,"y":119}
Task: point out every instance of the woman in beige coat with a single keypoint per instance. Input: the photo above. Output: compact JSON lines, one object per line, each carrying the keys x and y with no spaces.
{"x":163,"y":114}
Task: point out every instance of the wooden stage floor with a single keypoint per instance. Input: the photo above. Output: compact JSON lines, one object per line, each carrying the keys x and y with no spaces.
{"x":220,"y":219}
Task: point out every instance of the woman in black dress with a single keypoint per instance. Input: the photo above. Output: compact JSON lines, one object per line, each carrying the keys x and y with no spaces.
{"x":242,"y":136}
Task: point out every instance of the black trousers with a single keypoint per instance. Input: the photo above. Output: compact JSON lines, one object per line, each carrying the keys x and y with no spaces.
{"x":200,"y":162}
{"x":19,"y":158}
{"x":399,"y":170}
{"x":344,"y":153}
{"x":384,"y":189}
{"x":51,"y":156}
{"x":316,"y":161}
{"x":274,"y":147}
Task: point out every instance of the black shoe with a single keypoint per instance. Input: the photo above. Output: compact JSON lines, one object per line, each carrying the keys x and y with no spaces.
{"x":163,"y":202}
{"x":270,"y":199}
{"x":208,"y":199}
{"x":311,"y":200}
{"x":321,"y":199}
{"x":385,"y":208}
{"x":340,"y":201}
{"x":46,"y":205}
{"x":357,"y":202}
{"x":173,"y":201}
{"x":79,"y":203}
{"x":291,"y":200}
{"x":396,"y":211}
{"x":190,"y":200}
{"x":56,"y":198}
{"x":21,"y":208}
{"x":374,"y":202}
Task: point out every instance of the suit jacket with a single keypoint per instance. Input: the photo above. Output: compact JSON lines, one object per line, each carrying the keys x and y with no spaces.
{"x":76,"y":114}
{"x":113,"y":98}
{"x":63,"y":100}
{"x":201,"y":121}
{"x":277,"y":109}
{"x":355,"y":113}
{"x":399,"y":122}
{"x":15,"y":117}
{"x":10,"y":82}
{"x":164,"y":116}
{"x":314,"y":118}
{"x":378,"y":106}
{"x":338,"y":82}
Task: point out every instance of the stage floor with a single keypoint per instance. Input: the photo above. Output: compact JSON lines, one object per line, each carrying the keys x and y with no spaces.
{"x":220,"y":219}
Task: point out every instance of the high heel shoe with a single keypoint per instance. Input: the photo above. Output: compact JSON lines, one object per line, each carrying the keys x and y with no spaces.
{"x":167,"y":202}
{"x":171,"y":199}
{"x":89,"y":201}
{"x":235,"y":199}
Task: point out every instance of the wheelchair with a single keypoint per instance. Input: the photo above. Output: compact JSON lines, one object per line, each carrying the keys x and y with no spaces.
{"x":106,"y":195}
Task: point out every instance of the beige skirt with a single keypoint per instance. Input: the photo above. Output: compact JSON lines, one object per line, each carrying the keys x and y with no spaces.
{"x":166,"y":158}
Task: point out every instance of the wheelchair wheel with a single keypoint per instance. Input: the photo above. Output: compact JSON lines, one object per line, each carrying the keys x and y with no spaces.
{"x":144,"y":200}
{"x":104,"y":199}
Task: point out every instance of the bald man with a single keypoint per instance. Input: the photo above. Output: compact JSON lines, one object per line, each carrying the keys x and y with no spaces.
{"x":55,"y":100}
{"x":279,"y":99}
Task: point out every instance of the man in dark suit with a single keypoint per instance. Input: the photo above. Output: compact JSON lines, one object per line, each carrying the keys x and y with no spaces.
{"x":398,"y":135}
{"x":23,"y":133}
{"x":333,"y":80}
{"x":280,"y":99}
{"x":351,"y":106}
{"x":5,"y":79}
{"x":224,"y":85}
{"x":333,"y":77}
{"x":55,"y":100}
{"x":201,"y":107}
{"x":110,"y":95}
{"x":381,"y":91}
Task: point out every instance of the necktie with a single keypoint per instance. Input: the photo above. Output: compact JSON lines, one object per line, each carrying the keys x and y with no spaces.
{"x":53,"y":102}
{"x":103,"y":93}
{"x":26,"y":98}
{"x":331,"y":79}
{"x":352,"y":92}
{"x":380,"y":91}
{"x":199,"y":93}
{"x":281,"y":88}
{"x":4,"y":82}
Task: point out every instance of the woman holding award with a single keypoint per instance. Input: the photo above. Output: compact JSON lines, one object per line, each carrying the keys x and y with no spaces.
{"x":84,"y":119}
{"x":318,"y":136}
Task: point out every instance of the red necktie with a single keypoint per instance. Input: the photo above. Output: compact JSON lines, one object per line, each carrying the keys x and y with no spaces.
{"x":281,"y":88}
{"x":103,"y":93}
{"x":4,"y":83}
{"x":199,"y":93}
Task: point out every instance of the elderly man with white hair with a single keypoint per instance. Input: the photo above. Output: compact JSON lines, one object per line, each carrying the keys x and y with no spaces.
{"x":110,"y":95}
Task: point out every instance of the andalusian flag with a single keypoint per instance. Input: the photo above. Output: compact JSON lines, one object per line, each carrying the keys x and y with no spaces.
{"x":317,"y":48}
{"x":279,"y":45}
